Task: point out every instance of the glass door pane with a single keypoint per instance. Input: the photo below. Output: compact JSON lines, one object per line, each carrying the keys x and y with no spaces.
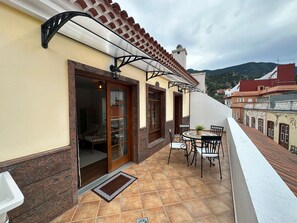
{"x":118,"y":125}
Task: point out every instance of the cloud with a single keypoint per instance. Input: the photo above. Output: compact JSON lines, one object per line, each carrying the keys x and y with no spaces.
{"x":221,"y":33}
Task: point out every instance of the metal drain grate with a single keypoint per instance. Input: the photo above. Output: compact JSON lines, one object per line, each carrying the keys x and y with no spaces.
{"x":142,"y":220}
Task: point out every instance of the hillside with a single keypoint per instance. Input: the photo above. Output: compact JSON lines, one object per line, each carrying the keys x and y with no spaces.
{"x":250,"y":69}
{"x":230,"y":76}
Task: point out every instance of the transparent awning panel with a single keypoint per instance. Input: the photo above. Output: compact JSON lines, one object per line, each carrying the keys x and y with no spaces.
{"x":97,"y":36}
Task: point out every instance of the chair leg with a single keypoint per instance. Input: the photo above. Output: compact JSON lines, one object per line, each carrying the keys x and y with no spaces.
{"x":201,"y":167}
{"x":187,"y":155}
{"x":169,"y":156}
{"x":221,"y":144}
{"x":220,"y":167}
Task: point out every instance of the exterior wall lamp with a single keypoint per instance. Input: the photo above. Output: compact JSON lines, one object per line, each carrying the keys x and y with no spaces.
{"x":115,"y":71}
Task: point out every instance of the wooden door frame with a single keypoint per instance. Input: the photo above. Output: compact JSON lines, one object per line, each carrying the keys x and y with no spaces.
{"x":180,"y":112}
{"x":284,"y":144}
{"x":79,"y":68}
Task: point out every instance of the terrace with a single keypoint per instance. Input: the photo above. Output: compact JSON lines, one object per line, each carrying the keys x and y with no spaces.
{"x":163,"y":193}
{"x":176,"y":193}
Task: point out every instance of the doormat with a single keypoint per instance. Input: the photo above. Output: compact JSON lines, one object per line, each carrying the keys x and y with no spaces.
{"x":113,"y":186}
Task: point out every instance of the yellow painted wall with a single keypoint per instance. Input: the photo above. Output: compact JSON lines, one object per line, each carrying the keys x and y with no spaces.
{"x":286,"y":118}
{"x":186,"y":105}
{"x":34,"y":85}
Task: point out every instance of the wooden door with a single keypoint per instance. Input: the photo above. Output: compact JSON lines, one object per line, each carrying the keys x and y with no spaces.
{"x":270,"y":129}
{"x":177,"y":113}
{"x":119,"y":125}
{"x":284,"y":135}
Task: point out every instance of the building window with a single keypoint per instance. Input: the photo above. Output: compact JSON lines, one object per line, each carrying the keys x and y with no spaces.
{"x":253,"y":122}
{"x":155,"y":119}
{"x":239,"y":99}
{"x":250,"y":100}
{"x":247,"y":120}
{"x":260,"y":125}
{"x":270,"y":129}
{"x":261,"y":87}
{"x":284,"y":135}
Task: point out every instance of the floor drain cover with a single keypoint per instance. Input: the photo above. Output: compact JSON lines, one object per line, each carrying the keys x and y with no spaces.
{"x":142,"y":220}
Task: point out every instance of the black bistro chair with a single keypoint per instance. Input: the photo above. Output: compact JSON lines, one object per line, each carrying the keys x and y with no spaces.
{"x":210,"y":146}
{"x":177,"y":145}
{"x":218,"y":130}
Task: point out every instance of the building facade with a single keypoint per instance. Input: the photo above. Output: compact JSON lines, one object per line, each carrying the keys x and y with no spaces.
{"x":276,"y":117}
{"x":62,"y":101}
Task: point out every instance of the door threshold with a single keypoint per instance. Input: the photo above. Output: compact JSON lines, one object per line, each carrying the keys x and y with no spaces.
{"x":100,"y":180}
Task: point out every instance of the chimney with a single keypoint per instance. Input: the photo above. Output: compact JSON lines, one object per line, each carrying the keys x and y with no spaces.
{"x":180,"y":55}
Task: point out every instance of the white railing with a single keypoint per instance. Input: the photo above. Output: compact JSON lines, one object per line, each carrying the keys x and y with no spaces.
{"x":259,"y":194}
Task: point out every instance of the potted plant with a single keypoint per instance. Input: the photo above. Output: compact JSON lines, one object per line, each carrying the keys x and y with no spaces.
{"x":199,"y":129}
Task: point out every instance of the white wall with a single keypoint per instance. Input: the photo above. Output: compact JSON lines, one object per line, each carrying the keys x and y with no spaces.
{"x":207,"y":111}
{"x":259,"y":194}
{"x":200,"y":77}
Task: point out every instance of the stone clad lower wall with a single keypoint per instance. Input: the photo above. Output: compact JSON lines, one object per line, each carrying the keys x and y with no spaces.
{"x":46,"y":181}
{"x":145,"y":149}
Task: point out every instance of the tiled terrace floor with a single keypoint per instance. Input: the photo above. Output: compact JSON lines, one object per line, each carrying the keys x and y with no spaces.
{"x":283,"y":161}
{"x":163,"y":193}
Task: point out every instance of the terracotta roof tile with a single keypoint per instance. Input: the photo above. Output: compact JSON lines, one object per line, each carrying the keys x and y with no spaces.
{"x":130,"y":21}
{"x":116,"y":7}
{"x":111,"y":15}
{"x":124,"y":15}
{"x":107,"y":2}
{"x":103,"y":19}
{"x":111,"y":25}
{"x":93,"y":11}
{"x":102,"y":7}
{"x":81,"y":3}
{"x":119,"y":30}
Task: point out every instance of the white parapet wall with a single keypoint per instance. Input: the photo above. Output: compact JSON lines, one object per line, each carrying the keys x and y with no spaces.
{"x":259,"y":193}
{"x":207,"y":111}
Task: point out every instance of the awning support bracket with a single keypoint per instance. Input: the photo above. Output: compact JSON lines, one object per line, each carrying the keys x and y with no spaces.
{"x":130,"y":59}
{"x":187,"y":88}
{"x":158,"y":73}
{"x":52,"y":25}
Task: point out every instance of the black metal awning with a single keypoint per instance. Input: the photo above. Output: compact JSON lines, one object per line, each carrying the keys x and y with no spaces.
{"x":183,"y":87}
{"x":87,"y":30}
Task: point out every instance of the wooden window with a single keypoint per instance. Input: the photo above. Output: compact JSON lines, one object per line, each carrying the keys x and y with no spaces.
{"x":284,"y":135}
{"x":260,"y":125}
{"x":247,"y":120}
{"x":253,"y":122}
{"x":154,"y":114}
{"x":270,"y":129}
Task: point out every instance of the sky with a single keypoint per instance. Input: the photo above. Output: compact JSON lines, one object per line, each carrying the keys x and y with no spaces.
{"x":221,"y":33}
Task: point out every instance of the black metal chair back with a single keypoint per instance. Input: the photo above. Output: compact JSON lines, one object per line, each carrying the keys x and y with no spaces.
{"x":177,"y":145}
{"x":210,"y":144}
{"x":218,"y":130}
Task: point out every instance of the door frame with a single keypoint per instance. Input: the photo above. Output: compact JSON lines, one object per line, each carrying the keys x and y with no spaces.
{"x":178,"y":112}
{"x":280,"y":141}
{"x":89,"y":71}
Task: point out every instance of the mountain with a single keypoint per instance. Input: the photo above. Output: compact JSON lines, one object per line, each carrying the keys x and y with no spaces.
{"x":230,"y":76}
{"x":250,"y":69}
